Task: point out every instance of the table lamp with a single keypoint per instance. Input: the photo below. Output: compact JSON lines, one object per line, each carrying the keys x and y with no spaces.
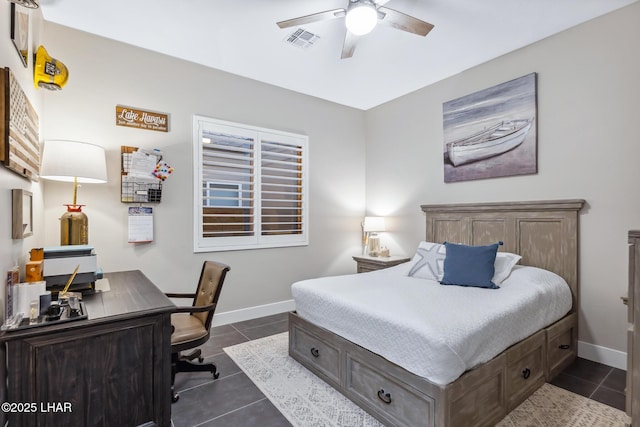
{"x":370,"y":228}
{"x":77,"y":162}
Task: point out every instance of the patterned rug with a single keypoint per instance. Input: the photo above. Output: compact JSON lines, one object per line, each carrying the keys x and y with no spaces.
{"x":307,"y":401}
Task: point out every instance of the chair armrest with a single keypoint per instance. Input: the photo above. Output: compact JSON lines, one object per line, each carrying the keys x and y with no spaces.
{"x":196,"y":309}
{"x":179,"y":295}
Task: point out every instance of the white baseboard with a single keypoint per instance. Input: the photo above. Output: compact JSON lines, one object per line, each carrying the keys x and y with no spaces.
{"x":249,"y":313}
{"x":607,"y":356}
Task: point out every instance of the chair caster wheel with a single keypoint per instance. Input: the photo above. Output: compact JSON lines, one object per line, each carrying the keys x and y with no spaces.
{"x":175,"y":398}
{"x":216,"y":375}
{"x":200,"y":359}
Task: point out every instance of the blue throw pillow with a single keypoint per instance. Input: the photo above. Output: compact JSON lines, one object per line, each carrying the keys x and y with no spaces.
{"x":470,"y":265}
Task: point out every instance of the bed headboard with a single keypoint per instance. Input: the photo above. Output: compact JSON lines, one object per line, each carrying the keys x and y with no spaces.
{"x":544,"y":233}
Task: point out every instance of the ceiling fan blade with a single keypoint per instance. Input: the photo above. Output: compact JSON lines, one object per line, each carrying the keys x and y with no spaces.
{"x":404,"y":22}
{"x":314,"y":17}
{"x":349,"y":46}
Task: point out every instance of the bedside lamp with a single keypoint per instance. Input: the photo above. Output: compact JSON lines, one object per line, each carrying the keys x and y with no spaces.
{"x":77,"y":162}
{"x":370,"y":228}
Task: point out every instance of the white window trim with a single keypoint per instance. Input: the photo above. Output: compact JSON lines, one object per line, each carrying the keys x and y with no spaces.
{"x":257,"y":241}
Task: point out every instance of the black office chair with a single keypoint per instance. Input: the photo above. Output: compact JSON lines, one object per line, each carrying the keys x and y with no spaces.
{"x":191,"y":326}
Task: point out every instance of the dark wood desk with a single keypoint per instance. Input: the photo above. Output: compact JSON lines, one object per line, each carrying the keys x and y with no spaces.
{"x":111,"y":369}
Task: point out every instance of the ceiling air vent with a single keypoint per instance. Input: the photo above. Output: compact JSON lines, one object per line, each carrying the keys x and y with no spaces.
{"x":302,"y":38}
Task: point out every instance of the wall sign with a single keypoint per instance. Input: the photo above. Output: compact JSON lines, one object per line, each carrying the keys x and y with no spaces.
{"x":141,"y":119}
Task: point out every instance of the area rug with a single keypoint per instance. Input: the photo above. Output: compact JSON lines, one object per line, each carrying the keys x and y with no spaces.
{"x":307,"y":401}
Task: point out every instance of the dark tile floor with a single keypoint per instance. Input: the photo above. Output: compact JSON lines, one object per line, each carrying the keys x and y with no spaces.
{"x":595,"y":381}
{"x":234,"y":401}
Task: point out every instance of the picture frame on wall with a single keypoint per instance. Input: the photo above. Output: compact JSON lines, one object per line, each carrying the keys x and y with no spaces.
{"x":19,"y":131}
{"x":20,"y":32}
{"x":22,"y":213}
{"x":492,"y":133}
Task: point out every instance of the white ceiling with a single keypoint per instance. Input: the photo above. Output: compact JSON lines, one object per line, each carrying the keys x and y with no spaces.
{"x":241,"y":37}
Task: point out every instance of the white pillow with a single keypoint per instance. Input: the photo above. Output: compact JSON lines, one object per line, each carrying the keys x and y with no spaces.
{"x":428,"y":263}
{"x":503,"y":265}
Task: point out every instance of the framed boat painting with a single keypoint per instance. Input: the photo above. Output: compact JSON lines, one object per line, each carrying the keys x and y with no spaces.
{"x":492,"y":133}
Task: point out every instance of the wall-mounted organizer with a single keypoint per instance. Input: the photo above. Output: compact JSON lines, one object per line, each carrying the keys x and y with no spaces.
{"x":138,"y":184}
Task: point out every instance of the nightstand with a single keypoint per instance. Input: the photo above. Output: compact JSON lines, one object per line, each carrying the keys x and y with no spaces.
{"x":370,"y":263}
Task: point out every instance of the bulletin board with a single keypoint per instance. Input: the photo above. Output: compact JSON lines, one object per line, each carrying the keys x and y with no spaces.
{"x":19,"y":140}
{"x":137,"y":188}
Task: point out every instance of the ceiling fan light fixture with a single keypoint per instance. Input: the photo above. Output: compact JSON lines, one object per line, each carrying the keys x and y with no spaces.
{"x":361,"y":18}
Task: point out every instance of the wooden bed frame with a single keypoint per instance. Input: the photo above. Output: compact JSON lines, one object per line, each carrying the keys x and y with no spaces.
{"x":545,"y":233}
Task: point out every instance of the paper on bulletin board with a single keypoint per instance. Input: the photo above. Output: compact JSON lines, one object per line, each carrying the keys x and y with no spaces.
{"x":143,"y":163}
{"x":140,"y":224}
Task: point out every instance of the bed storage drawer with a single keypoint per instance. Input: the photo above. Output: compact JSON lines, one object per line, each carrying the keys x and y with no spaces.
{"x":562,"y":342}
{"x":314,"y":352}
{"x":525,"y":368}
{"x":401,"y":404}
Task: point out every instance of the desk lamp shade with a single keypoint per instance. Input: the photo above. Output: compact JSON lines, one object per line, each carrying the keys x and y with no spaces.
{"x":77,"y":162}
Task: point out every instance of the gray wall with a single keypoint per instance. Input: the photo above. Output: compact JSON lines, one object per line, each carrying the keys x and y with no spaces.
{"x":588,"y":147}
{"x":104,"y":73}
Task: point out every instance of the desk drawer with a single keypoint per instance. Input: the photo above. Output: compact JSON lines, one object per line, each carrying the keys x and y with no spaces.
{"x":315,"y":352}
{"x":399,"y":402}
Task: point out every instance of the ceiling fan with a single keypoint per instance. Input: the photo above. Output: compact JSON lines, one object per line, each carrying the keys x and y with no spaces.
{"x":361,"y":16}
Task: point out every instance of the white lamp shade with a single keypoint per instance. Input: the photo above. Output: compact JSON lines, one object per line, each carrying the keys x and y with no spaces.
{"x":373,"y":224}
{"x":66,"y":160}
{"x":361,"y":18}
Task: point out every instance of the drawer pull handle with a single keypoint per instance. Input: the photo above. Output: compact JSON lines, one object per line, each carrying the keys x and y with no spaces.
{"x":526,"y":373}
{"x":385,"y":397}
{"x":564,"y":346}
{"x":315,"y":352}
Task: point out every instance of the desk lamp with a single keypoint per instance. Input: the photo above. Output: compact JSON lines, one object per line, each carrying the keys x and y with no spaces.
{"x":77,"y":162}
{"x":370,"y":228}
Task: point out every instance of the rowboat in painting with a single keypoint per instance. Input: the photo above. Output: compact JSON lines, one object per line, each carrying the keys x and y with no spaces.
{"x":492,"y":141}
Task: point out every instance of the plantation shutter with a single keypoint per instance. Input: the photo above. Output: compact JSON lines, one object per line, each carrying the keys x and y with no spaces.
{"x":228,"y":182}
{"x":281,"y":187}
{"x":250,"y":187}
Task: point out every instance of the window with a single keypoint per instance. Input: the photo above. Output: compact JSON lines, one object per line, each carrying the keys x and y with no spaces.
{"x":250,"y":187}
{"x":221,"y":194}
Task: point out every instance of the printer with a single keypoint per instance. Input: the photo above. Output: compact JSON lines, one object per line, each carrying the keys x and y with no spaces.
{"x":60,"y":262}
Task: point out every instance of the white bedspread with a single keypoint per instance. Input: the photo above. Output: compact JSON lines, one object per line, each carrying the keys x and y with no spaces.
{"x":435,"y":331}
